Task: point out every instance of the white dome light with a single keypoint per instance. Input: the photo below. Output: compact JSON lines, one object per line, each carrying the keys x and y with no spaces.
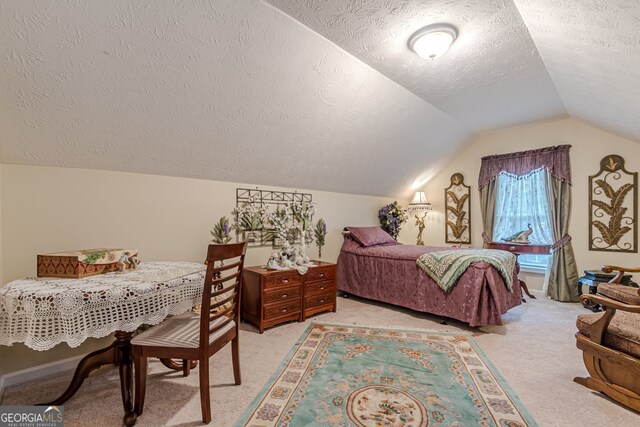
{"x":433,"y":40}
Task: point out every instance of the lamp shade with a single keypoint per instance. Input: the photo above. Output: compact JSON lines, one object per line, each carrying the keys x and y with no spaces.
{"x":420,"y":202}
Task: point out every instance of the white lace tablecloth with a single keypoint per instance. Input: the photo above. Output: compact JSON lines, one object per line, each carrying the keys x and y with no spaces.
{"x":44,"y":312}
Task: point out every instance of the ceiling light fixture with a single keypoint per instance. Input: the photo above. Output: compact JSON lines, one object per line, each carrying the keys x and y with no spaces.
{"x":433,"y":40}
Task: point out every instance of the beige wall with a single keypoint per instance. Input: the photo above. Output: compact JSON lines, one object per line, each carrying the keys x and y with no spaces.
{"x":1,"y":252}
{"x":589,"y":146}
{"x":46,"y":209}
{"x":54,"y":209}
{"x":1,"y":223}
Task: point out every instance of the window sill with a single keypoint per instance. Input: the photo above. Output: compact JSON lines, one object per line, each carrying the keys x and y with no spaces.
{"x":533,"y":269}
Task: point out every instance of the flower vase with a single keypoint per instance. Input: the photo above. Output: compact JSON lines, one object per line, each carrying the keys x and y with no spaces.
{"x":302,"y":243}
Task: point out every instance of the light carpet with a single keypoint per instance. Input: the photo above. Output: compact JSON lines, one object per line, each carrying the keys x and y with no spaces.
{"x":534,"y":351}
{"x":369,"y":377}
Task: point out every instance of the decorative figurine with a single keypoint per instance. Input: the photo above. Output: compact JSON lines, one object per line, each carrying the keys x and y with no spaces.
{"x":287,"y":251}
{"x":128,"y":261}
{"x":273,"y":263}
{"x":420,"y":224}
{"x":287,"y":258}
{"x":123,"y":262}
{"x":133,"y":262}
{"x":520,"y":236}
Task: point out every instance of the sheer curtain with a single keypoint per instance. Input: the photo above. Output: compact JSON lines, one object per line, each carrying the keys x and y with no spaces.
{"x":522,"y":200}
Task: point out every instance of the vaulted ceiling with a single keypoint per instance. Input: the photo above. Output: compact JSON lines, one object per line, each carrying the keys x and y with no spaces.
{"x":317,"y":94}
{"x":483,"y":80}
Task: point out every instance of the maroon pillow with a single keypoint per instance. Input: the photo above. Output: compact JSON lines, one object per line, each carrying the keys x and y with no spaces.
{"x":370,"y":236}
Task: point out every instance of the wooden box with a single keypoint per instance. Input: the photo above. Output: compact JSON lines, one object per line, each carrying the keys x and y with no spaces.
{"x":77,"y":264}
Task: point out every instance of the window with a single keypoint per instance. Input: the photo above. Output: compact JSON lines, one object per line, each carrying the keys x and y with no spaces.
{"x":522,"y":201}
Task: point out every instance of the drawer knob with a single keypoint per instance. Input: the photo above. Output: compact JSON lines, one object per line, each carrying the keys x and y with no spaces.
{"x":284,"y":295}
{"x":512,"y":248}
{"x":285,"y":280}
{"x":321,"y":274}
{"x":321,"y":287}
{"x":284,"y":310}
{"x":322,"y":300}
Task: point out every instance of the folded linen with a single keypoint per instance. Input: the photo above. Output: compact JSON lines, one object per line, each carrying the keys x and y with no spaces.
{"x":446,"y":267}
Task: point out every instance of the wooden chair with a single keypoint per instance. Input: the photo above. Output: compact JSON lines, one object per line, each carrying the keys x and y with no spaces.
{"x":610,"y":341}
{"x":198,"y":336}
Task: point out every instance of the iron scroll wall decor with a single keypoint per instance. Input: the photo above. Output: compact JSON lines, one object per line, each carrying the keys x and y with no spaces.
{"x":271,"y":200}
{"x":458,"y":211}
{"x":613,"y":207}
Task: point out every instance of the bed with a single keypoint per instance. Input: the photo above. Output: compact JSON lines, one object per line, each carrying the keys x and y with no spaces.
{"x":386,"y":271}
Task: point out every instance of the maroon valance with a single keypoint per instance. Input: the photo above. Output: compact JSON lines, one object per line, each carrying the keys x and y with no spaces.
{"x":555,"y":159}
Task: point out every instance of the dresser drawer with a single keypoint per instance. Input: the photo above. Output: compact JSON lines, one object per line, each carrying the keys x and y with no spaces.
{"x":272,"y":311}
{"x":283,"y":279}
{"x":319,"y":287}
{"x":320,"y":273}
{"x":321,"y":299}
{"x":282,"y":294}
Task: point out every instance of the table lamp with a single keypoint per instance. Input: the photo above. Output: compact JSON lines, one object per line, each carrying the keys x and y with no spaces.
{"x":417,"y":205}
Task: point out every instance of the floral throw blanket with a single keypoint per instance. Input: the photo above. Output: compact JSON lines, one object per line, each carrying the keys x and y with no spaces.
{"x":446,"y":267}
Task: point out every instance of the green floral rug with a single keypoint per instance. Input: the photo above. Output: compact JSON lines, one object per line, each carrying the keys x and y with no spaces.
{"x":349,"y":375}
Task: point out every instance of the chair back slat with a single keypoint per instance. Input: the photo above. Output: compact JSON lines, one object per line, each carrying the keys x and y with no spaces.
{"x":220,"y":326}
{"x":220,"y":279}
{"x":222,"y":303}
{"x":225,"y":290}
{"x":223,"y":313}
{"x":222,"y":289}
{"x":226,"y":267}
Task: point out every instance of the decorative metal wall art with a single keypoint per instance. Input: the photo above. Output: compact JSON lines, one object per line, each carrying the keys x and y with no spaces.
{"x":613,"y":204}
{"x":253,"y":204}
{"x":458,"y":211}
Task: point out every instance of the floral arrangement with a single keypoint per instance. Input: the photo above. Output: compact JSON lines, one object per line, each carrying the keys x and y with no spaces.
{"x":278,"y":222}
{"x":255,"y":219}
{"x":391,"y":217}
{"x":320,"y":232}
{"x":221,"y":231}
{"x":249,"y":216}
{"x":302,"y":214}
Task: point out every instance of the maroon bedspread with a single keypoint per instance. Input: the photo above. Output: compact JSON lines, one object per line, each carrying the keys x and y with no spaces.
{"x":390,"y":274}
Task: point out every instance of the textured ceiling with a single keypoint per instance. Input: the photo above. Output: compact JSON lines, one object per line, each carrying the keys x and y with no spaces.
{"x":230,"y":90}
{"x":515,"y":61}
{"x":592,"y":51}
{"x":318,"y":94}
{"x":491,"y":77}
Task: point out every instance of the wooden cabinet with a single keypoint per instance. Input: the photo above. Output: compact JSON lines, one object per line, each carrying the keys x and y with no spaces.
{"x":319,"y":290}
{"x":270,"y":297}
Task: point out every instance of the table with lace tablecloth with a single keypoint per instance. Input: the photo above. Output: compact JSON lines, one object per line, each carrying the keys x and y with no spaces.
{"x":43,"y":312}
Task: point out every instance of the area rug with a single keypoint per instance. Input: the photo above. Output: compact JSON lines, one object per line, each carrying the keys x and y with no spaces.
{"x":350,"y":375}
